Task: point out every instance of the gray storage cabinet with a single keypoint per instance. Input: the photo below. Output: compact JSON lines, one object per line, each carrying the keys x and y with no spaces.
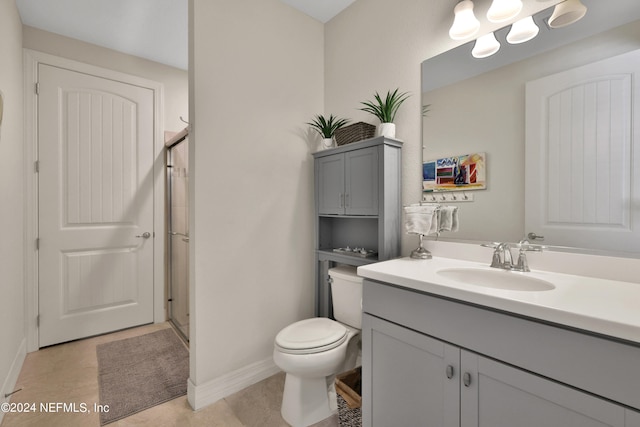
{"x":434,"y":362}
{"x":348,"y":182}
{"x":358,"y":191}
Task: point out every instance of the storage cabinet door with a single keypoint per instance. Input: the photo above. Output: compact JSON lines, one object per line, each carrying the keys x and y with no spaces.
{"x":499,"y":395}
{"x":407,"y":383}
{"x":632,"y":418}
{"x":330,"y":182}
{"x":361,"y":182}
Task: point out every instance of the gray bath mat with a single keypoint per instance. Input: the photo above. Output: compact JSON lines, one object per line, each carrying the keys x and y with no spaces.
{"x":137,"y":373}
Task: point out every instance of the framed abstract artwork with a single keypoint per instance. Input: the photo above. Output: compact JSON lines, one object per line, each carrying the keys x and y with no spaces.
{"x":455,"y":173}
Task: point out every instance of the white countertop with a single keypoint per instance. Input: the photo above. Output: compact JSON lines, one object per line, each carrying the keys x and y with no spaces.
{"x":602,"y":306}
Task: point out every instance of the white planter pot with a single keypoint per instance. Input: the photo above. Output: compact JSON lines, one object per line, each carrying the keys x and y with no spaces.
{"x":388,"y":130}
{"x":327,"y":142}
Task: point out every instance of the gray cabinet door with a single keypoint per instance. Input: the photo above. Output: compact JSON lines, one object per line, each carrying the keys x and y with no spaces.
{"x":632,"y":418}
{"x":331,"y":185}
{"x":348,"y":183}
{"x":361,"y":182}
{"x":499,"y":395}
{"x":407,"y":383}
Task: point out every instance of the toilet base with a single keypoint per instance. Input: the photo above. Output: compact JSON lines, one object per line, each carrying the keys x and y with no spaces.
{"x":306,"y":401}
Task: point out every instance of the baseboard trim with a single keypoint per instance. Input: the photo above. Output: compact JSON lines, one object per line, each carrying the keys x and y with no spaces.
{"x":210,"y":392}
{"x":11,"y":379}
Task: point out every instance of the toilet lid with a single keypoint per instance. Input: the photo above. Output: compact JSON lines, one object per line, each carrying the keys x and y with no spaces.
{"x":311,"y":336}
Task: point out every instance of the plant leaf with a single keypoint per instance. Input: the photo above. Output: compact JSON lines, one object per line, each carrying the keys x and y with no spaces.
{"x":385,"y":110}
{"x":327,"y":127}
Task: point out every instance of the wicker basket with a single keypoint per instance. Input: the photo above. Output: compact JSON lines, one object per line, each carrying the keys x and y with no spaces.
{"x":355,"y":132}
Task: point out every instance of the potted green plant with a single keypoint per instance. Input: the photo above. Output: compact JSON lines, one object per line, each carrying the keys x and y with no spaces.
{"x":327,"y":127}
{"x":385,"y":110}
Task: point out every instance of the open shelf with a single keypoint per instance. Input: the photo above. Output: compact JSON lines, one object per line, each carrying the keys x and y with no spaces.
{"x":330,"y":255}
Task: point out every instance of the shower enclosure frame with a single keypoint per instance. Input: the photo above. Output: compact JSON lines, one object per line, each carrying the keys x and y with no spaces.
{"x":177,"y":293}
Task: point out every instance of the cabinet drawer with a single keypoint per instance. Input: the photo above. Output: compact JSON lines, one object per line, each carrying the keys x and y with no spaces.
{"x":592,"y":363}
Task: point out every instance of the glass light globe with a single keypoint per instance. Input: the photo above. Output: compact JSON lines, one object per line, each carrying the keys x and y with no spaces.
{"x":503,"y":10}
{"x":485,"y":46}
{"x":465,"y":23}
{"x":567,"y":13}
{"x":522,"y":31}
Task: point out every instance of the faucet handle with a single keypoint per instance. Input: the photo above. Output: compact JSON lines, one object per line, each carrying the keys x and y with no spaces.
{"x":492,"y":245}
{"x":526,"y":246}
{"x":523,"y":264}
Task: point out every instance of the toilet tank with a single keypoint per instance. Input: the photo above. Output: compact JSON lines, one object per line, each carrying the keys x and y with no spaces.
{"x":346,"y":295}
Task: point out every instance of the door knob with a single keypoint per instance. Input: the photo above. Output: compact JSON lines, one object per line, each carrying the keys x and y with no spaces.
{"x":144,"y":235}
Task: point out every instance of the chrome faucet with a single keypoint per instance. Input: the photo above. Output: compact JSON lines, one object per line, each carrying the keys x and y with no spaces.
{"x":503,"y":259}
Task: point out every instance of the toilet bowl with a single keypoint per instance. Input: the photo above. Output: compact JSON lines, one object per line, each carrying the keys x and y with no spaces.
{"x":312,"y":351}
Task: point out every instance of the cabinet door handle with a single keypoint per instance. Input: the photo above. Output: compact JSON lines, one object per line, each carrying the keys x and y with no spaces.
{"x":466,"y":379}
{"x":450,"y":371}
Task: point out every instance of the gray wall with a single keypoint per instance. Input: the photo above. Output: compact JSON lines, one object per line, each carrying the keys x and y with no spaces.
{"x":256,"y":77}
{"x":12,"y":333}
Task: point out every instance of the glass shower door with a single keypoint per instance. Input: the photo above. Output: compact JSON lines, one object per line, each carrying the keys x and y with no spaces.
{"x":178,"y":248}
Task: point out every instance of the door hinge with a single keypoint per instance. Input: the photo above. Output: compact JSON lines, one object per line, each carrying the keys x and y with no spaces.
{"x":37,"y":243}
{"x":37,"y":88}
{"x":36,"y":166}
{"x":38,"y":321}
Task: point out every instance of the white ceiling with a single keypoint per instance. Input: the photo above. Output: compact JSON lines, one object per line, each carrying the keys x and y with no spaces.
{"x":151,"y":29}
{"x":322,"y":10}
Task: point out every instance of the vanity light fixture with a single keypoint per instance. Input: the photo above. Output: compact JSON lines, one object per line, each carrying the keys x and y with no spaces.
{"x":522,"y":31}
{"x":465,"y":23}
{"x":503,"y":10}
{"x":566,"y":13}
{"x":485,"y":46}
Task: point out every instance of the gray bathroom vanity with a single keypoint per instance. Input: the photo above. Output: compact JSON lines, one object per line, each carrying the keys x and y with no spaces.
{"x":446,"y":354}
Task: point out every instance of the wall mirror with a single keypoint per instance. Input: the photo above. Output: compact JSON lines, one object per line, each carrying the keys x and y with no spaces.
{"x":479,"y":105}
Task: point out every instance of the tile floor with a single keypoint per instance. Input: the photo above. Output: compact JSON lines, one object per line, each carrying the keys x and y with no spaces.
{"x":69,"y":373}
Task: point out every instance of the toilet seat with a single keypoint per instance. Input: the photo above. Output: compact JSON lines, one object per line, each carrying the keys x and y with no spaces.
{"x":311,"y":336}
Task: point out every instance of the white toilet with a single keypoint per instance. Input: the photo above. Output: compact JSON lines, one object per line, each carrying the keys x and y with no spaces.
{"x":312,"y":351}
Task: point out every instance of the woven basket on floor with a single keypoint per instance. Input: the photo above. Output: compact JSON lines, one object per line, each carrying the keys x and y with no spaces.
{"x":355,"y":132}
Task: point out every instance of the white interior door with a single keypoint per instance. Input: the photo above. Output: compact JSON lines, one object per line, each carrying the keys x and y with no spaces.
{"x":583,"y":156}
{"x":95,"y":153}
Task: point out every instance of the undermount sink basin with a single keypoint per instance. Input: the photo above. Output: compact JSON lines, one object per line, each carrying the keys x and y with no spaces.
{"x":497,"y":279}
